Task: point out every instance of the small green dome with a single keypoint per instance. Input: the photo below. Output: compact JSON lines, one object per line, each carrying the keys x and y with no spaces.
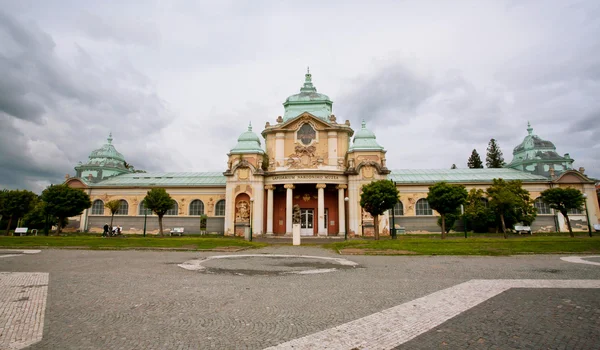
{"x":365,"y":140}
{"x":308,"y":100}
{"x":107,"y":153}
{"x":248,"y":142}
{"x":103,"y":162}
{"x":538,"y":156}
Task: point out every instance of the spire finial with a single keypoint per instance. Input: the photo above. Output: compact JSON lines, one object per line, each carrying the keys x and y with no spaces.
{"x":363,"y":124}
{"x":250,"y":126}
{"x":109,"y":139}
{"x":529,"y":128}
{"x":308,"y":86}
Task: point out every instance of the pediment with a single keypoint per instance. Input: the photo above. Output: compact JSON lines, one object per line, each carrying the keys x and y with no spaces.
{"x":297,"y":122}
{"x":573,"y":176}
{"x":74,"y":182}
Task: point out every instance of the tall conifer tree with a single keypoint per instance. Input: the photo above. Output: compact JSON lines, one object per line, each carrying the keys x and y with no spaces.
{"x":474,"y":161}
{"x":494,"y":157}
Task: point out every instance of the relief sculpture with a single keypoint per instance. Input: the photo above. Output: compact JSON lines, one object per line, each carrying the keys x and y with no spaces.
{"x":304,"y":157}
{"x":242,"y":211}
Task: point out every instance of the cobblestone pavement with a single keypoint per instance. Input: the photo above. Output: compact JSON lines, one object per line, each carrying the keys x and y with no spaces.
{"x":144,"y":300}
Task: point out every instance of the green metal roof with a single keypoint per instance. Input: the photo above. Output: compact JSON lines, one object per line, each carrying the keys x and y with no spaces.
{"x":209,"y":179}
{"x":461,"y":175}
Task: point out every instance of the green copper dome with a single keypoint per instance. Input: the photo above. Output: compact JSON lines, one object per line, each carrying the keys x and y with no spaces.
{"x":107,"y":152}
{"x":103,"y":162}
{"x":308,"y":100}
{"x":248,"y":142}
{"x":538,"y":156}
{"x":365,"y":140}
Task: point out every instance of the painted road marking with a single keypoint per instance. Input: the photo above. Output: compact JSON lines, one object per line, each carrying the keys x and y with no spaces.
{"x":196,"y":264}
{"x":581,"y":260}
{"x":397,"y":325}
{"x":22,"y":306}
{"x":17,"y":252}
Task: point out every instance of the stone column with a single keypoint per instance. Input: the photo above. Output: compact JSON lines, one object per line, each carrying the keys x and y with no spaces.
{"x":289,"y":206}
{"x":321,"y":210}
{"x":269,"y":189}
{"x":341,"y":209}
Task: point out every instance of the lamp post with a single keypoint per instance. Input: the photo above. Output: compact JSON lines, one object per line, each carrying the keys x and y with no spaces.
{"x":587,"y":215}
{"x":464,"y":217}
{"x":145,"y":217}
{"x":251,"y":213}
{"x":394,"y":215}
{"x":346,"y":199}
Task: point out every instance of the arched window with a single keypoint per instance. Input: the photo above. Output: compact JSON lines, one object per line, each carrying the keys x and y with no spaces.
{"x":541,"y":206}
{"x":196,"y":207}
{"x":143,"y":210}
{"x":174,"y":209}
{"x":574,"y":212}
{"x":98,"y":207}
{"x":220,"y":208}
{"x":423,"y":207}
{"x":398,"y":209}
{"x":123,"y":208}
{"x":484,"y":201}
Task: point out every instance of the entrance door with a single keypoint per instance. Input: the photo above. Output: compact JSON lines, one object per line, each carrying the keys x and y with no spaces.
{"x":306,"y":222}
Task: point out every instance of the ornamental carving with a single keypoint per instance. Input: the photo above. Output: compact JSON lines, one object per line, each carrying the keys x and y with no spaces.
{"x":243,"y":173}
{"x":306,"y":197}
{"x":242,"y":213}
{"x":304,"y":157}
{"x":368,"y":172}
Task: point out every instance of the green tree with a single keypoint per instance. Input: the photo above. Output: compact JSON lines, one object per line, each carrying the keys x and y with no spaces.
{"x":563,"y":200}
{"x":450,"y":221}
{"x":474,"y":161}
{"x":36,"y":218}
{"x":159,"y":201}
{"x":62,"y":202}
{"x":509,"y":200}
{"x":377,"y":197}
{"x":17,"y":203}
{"x":113,"y":206}
{"x":446,"y":198}
{"x":477,"y":212}
{"x":494,"y":157}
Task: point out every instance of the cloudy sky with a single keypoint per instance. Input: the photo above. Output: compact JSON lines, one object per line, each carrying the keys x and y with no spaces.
{"x":177,"y":81}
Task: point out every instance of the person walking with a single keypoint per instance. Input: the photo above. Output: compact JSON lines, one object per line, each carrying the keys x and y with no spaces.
{"x":105,"y":232}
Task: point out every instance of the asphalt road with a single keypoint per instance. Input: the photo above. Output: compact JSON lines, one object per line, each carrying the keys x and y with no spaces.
{"x":145,"y":300}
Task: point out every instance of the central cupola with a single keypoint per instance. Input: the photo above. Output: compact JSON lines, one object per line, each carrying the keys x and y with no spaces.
{"x":308,"y":100}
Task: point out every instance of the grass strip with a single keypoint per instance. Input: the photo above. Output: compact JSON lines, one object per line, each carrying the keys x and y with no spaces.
{"x":132,"y":242}
{"x":473,"y":246}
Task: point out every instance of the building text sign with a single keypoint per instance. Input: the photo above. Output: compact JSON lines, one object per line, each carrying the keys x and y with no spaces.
{"x":305,"y":177}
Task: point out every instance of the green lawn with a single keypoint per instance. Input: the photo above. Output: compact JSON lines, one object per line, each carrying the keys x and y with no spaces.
{"x":472,"y":245}
{"x":129,"y":242}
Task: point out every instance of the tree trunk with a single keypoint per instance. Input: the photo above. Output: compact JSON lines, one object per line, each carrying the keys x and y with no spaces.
{"x":8,"y":227}
{"x":568,"y":224}
{"x":160,"y":227}
{"x":111,"y":224}
{"x":59,"y":225}
{"x":443,"y":226}
{"x":503,"y":225}
{"x":376,"y":223}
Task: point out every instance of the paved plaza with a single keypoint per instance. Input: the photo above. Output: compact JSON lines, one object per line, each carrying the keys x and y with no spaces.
{"x":295,"y":298}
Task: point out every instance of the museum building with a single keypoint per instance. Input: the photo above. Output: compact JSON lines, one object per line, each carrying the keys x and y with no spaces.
{"x":313,"y":160}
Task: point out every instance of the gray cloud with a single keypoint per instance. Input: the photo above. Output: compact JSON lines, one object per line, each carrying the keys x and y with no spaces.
{"x":53,"y":113}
